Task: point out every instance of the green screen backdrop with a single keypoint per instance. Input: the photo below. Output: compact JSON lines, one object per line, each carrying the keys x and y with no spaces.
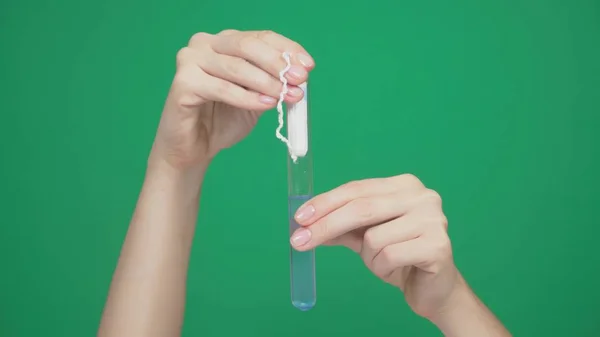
{"x":492,"y":103}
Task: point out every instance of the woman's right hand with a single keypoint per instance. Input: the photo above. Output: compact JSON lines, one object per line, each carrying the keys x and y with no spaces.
{"x":222,"y":85}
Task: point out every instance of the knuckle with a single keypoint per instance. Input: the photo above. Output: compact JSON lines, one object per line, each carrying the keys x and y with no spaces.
{"x":434,"y":222}
{"x":183,"y":55}
{"x":269,"y":85}
{"x":227,"y":32}
{"x":222,"y":88}
{"x":199,"y":38}
{"x":362,"y":208}
{"x":235,"y":66}
{"x":354,"y":186}
{"x":328,"y":200}
{"x":410,"y":179}
{"x":322,"y":232}
{"x":244,"y":44}
{"x":442,"y":221}
{"x":266,"y":84}
{"x":433,"y":196}
{"x":266,"y":33}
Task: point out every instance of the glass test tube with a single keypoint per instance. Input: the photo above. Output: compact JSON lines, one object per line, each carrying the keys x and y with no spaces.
{"x":300,"y":190}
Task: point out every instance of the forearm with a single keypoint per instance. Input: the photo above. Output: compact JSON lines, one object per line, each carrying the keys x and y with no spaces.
{"x":467,"y":316}
{"x":147,"y":294}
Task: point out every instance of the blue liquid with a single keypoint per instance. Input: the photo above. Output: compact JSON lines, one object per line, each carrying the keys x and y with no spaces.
{"x":302,"y":264}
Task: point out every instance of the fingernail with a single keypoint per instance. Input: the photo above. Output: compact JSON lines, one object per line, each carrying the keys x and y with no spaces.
{"x":306,"y":60}
{"x":267,"y":99}
{"x":295,"y":91}
{"x":297,"y":72}
{"x":304,"y":213}
{"x":301,"y":237}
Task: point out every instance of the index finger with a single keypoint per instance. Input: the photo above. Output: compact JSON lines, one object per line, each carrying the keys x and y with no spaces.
{"x":264,"y":49}
{"x":283,"y":44}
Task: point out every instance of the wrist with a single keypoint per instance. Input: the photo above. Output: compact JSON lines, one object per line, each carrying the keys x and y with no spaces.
{"x":458,"y":309}
{"x":186,"y":180}
{"x":465,"y":315}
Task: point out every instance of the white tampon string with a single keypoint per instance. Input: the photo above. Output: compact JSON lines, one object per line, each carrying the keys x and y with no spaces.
{"x":284,"y":91}
{"x":297,"y":118}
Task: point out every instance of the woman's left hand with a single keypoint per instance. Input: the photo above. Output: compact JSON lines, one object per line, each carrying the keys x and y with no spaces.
{"x":397,"y":226}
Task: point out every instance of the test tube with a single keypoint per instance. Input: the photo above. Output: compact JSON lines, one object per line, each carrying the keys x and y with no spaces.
{"x":300,"y":190}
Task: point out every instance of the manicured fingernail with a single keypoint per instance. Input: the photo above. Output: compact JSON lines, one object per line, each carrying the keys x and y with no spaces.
{"x":301,"y":237}
{"x":295,"y":91}
{"x":304,"y":213}
{"x":267,"y":99}
{"x":306,"y":60}
{"x":297,"y":72}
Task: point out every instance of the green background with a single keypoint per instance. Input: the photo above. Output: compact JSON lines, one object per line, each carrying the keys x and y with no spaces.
{"x":493,"y":103}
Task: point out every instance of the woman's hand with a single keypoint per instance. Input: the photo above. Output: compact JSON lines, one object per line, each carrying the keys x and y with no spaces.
{"x":222,"y":85}
{"x":399,"y":229}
